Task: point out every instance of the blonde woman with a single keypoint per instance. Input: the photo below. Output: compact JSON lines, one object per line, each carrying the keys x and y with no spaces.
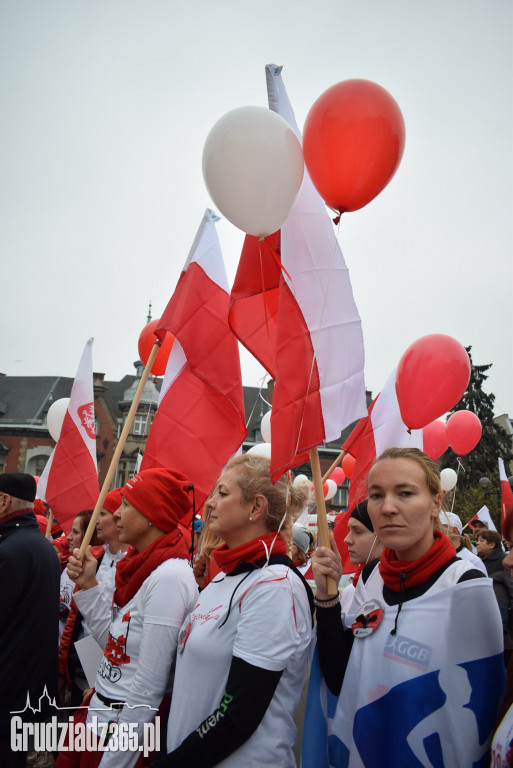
{"x":418,"y":663}
{"x":242,"y":653}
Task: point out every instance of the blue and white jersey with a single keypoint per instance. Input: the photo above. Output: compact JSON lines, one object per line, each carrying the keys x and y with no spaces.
{"x":425,"y":697}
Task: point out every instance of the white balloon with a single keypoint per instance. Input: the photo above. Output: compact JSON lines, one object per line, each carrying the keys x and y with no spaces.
{"x":55,"y":417}
{"x":265,"y":427}
{"x":448,"y":479}
{"x":253,"y":169}
{"x":261,"y":449}
{"x":301,"y":479}
{"x":332,"y":489}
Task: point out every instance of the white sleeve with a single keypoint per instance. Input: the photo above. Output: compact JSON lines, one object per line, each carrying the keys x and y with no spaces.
{"x":158,"y":648}
{"x":96,"y":612}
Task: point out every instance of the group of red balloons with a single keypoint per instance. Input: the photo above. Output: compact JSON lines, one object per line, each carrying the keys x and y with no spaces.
{"x":461,"y":433}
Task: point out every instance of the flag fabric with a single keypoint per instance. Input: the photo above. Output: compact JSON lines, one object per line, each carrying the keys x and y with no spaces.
{"x":69,"y":482}
{"x":484,"y":516}
{"x":309,"y":337}
{"x":254,"y":298}
{"x":200,"y":419}
{"x":425,"y":696}
{"x":506,"y":493}
{"x":382,"y":428}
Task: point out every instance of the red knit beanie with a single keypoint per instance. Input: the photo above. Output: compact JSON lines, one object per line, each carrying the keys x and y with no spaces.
{"x":161,"y":495}
{"x":39,"y":507}
{"x":112,"y":500}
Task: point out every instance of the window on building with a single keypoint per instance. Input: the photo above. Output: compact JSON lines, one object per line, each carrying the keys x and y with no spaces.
{"x":126,"y":469}
{"x":36,"y":465}
{"x":140,"y":424}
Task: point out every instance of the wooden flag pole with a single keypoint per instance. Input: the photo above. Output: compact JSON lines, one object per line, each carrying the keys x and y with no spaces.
{"x":49,"y":525}
{"x":334,"y":465}
{"x":119,"y":449}
{"x":323,"y":532}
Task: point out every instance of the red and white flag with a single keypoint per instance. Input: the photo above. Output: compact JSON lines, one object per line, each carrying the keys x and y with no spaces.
{"x":506,"y":493}
{"x":484,"y":516}
{"x":382,"y":428}
{"x":314,"y":347}
{"x":69,"y":482}
{"x":200,"y":420}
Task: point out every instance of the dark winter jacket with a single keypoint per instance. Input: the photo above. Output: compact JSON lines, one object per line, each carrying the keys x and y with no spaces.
{"x":29,"y":618}
{"x":493,"y":561}
{"x":503,"y":589}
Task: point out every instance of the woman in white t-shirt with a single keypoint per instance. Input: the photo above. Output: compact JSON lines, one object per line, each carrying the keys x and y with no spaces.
{"x":138,"y":629}
{"x":242,"y":651}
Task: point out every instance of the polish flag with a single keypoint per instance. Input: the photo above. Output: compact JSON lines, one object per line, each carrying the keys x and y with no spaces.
{"x":305,"y":328}
{"x":484,"y":516}
{"x":382,"y":428}
{"x":506,"y":493}
{"x":200,"y":419}
{"x":69,"y":482}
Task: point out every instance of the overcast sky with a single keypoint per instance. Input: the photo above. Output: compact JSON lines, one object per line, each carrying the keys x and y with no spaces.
{"x":105,"y":109}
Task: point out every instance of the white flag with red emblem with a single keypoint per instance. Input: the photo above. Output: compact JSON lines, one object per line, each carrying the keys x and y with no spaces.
{"x":69,"y":482}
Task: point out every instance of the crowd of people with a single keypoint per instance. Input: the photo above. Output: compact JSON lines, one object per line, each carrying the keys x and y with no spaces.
{"x":413,"y":652}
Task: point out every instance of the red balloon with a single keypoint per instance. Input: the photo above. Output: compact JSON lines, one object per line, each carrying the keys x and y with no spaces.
{"x":431,"y":378}
{"x":348,"y":463}
{"x":464,"y":431}
{"x":435,"y":440}
{"x":338,"y":475}
{"x":353,"y":142}
{"x":147,"y":339}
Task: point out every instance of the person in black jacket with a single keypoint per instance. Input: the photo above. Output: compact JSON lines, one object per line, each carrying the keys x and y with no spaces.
{"x":29,"y":608}
{"x":489,"y":549}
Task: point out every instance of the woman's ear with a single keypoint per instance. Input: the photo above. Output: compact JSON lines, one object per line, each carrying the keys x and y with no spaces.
{"x":259,"y":507}
{"x":437,"y":505}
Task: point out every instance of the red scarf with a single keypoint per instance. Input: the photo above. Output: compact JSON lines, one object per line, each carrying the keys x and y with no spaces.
{"x":135,"y":567}
{"x":250,"y":552}
{"x":417,"y":571}
{"x":358,"y":573}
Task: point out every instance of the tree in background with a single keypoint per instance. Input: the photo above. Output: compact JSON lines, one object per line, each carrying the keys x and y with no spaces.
{"x":482,"y":461}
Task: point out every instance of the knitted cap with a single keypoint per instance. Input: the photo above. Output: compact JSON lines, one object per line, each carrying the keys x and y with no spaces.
{"x":361,"y":514}
{"x":161,"y":495}
{"x":19,"y":485}
{"x":112,"y":500}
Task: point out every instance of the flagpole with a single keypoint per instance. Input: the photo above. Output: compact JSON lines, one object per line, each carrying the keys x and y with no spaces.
{"x":323,"y":532}
{"x":334,"y":465}
{"x":119,"y":449}
{"x":49,"y":525}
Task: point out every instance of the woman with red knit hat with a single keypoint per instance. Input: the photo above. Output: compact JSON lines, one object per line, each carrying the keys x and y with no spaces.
{"x":154,"y":590}
{"x":242,"y":651}
{"x":417,"y":660}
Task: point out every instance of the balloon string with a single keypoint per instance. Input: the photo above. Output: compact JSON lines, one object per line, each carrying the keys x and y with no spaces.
{"x":454,"y":491}
{"x":279,"y":263}
{"x":262,"y":382}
